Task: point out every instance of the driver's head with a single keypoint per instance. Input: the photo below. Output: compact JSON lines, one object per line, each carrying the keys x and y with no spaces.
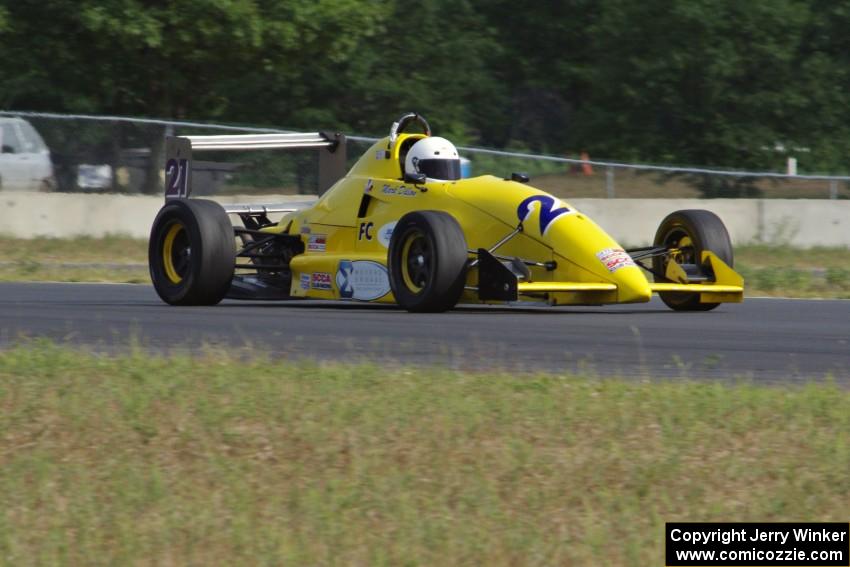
{"x":435,"y":157}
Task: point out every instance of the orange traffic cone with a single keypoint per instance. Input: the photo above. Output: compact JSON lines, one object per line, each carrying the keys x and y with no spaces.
{"x":586,"y":168}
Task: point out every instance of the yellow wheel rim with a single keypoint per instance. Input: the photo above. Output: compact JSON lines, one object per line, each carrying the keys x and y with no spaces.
{"x":677,"y":253}
{"x":684,"y":244}
{"x":406,"y":260}
{"x":168,"y":253}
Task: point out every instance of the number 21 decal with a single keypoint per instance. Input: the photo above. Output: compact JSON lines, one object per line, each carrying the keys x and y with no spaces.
{"x":177,"y":178}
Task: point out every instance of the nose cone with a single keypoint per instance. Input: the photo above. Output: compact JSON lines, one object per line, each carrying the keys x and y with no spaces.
{"x":590,"y":254}
{"x":583,"y":251}
{"x":632,"y":285}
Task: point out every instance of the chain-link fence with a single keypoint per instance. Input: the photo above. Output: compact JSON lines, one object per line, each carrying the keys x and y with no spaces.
{"x":125,"y":155}
{"x":583,"y":177}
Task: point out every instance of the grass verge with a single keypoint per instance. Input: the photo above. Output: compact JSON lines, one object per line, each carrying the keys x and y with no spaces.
{"x":109,"y":259}
{"x":110,"y":249}
{"x":140,"y":460}
{"x":784,"y":271}
{"x":768,"y":270}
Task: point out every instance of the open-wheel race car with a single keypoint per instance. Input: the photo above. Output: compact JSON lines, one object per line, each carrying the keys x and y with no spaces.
{"x":403,"y":227}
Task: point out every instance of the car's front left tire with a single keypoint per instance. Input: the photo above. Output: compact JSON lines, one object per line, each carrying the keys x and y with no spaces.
{"x":191,"y":252}
{"x":427,"y":261}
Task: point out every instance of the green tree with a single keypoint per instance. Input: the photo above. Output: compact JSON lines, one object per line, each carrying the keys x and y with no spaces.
{"x":543,"y":68}
{"x":383,"y":61}
{"x":164,"y":58}
{"x":698,"y":81}
{"x":703,"y":82}
{"x":823,"y":72}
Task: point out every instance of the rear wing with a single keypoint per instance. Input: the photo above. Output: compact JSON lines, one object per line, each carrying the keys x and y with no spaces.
{"x":179,"y":149}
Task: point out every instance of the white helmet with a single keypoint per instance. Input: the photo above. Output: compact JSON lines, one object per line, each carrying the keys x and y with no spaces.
{"x":435,"y":157}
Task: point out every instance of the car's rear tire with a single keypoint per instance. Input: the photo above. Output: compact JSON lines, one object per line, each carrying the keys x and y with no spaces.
{"x":427,"y":261}
{"x":691,"y":232}
{"x":191,"y":252}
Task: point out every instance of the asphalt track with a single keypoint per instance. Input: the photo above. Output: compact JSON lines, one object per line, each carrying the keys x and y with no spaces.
{"x":766,"y":340}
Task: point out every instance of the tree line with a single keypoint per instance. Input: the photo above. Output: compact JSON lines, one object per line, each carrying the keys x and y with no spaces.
{"x":699,"y":82}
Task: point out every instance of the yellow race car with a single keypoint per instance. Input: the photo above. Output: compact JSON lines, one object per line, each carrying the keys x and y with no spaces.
{"x":402,"y":226}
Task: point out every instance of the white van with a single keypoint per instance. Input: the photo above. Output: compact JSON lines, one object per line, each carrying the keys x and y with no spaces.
{"x":25,"y":163}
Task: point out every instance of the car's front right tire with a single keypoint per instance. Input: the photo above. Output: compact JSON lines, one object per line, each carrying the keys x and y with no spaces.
{"x":689,"y":233}
{"x":192,"y":252}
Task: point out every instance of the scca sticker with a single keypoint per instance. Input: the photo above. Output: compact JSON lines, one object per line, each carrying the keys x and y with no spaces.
{"x":551,"y":209}
{"x":362,"y":279}
{"x":320,"y":280}
{"x":615,"y":258}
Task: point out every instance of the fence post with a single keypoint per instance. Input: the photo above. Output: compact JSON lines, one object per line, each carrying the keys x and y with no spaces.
{"x":833,"y":188}
{"x":609,"y":182}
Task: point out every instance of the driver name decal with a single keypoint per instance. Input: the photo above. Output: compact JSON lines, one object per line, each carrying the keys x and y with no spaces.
{"x":615,"y":258}
{"x":362,"y":279}
{"x":551,"y":209}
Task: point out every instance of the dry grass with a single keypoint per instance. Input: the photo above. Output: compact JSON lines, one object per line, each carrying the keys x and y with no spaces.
{"x":769,"y":270}
{"x":134,"y":460}
{"x":782,"y":271}
{"x":639,"y":185}
{"x":112,"y":250}
{"x":110,"y":259}
{"x":783,"y":256}
{"x":48,"y":272}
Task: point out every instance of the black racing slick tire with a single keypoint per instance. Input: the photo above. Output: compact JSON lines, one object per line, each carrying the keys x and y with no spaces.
{"x":192,"y":252}
{"x":690,"y":232}
{"x":427,"y":261}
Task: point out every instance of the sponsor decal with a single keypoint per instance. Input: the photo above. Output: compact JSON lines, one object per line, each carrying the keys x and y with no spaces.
{"x":368,"y":187}
{"x":615,"y":258}
{"x":379,"y":154}
{"x":366,"y":229}
{"x":551,"y":209}
{"x":387,"y":190}
{"x":385,"y":233}
{"x":305,"y":229}
{"x":317,"y":243}
{"x":305,"y":281}
{"x":320,"y":280}
{"x":362,"y":279}
{"x":406,"y":191}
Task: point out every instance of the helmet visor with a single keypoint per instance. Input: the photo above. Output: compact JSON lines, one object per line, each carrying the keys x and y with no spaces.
{"x":448,"y":169}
